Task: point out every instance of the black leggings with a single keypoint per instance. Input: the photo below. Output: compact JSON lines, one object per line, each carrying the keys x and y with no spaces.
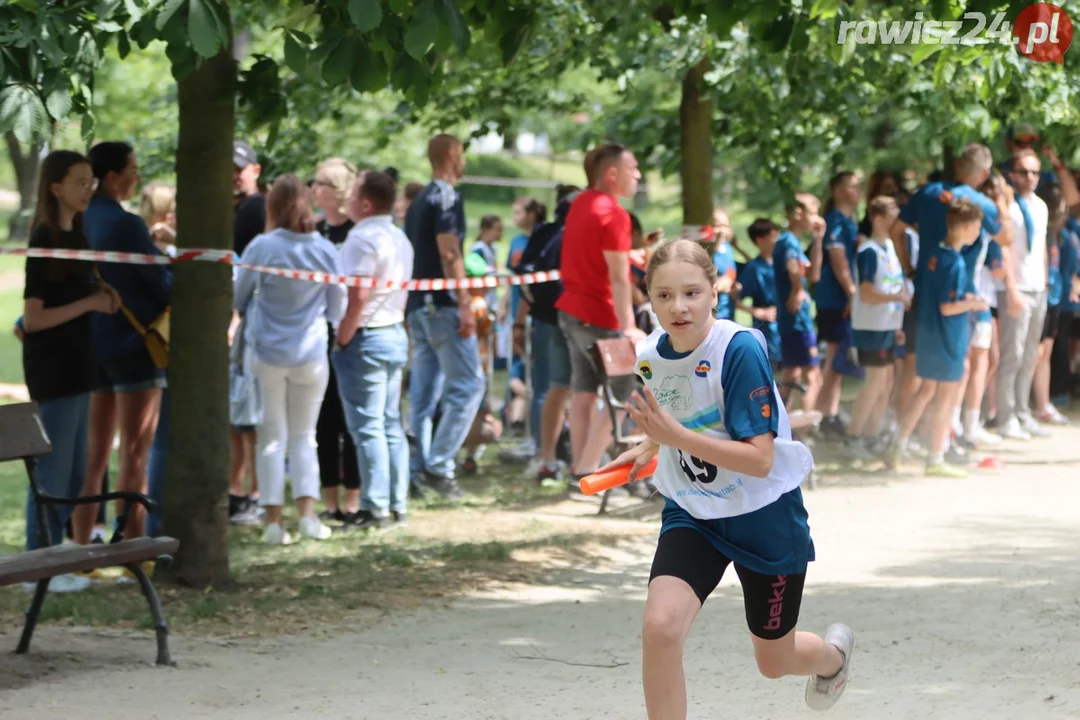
{"x":1061,"y":380}
{"x":337,"y":453}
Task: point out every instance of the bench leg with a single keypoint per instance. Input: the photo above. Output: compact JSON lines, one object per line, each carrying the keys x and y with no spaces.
{"x":603,"y":502}
{"x":158,"y":615}
{"x":32,"y":616}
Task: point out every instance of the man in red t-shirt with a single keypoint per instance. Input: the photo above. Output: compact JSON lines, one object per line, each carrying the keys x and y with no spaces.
{"x":597,"y":300}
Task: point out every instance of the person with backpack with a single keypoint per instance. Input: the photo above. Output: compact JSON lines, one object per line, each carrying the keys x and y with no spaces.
{"x":551,"y":356}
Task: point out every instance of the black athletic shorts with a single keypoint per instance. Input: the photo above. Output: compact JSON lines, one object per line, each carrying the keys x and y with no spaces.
{"x":771,"y":601}
{"x":831,"y":325}
{"x":1050,"y":324}
{"x":877,"y":358}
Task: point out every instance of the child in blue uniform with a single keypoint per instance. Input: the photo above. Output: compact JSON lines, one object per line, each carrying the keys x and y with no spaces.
{"x":833,"y":294}
{"x":757,"y":283}
{"x":798,"y":343}
{"x":943,"y":337}
{"x":730,"y":474}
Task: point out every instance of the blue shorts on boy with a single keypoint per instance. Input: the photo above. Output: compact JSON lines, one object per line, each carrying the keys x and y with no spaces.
{"x":724,"y":389}
{"x":943,"y":339}
{"x":724,"y":260}
{"x":798,"y":343}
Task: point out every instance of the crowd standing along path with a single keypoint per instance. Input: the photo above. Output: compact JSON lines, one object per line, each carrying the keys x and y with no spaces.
{"x":964,"y":595}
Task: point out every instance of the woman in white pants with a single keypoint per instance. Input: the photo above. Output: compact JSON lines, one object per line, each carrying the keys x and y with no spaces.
{"x":288,"y":331}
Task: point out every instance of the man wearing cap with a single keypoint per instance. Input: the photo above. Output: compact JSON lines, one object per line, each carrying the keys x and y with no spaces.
{"x":249,"y":213}
{"x":249,"y":220}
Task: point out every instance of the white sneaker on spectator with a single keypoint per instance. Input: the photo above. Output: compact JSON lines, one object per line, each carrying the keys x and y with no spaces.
{"x":1052,"y":416}
{"x":1013,"y":431}
{"x":1032,"y":427}
{"x":63,"y":584}
{"x":274,"y":534}
{"x":981,"y":436}
{"x":310,"y":527}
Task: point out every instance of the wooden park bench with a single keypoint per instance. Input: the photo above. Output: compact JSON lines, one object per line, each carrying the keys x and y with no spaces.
{"x":22,"y":437}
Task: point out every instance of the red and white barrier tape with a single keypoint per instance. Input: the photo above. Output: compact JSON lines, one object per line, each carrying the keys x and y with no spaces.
{"x":227,"y":257}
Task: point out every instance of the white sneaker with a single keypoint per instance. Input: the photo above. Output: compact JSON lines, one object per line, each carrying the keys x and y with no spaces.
{"x":1012,"y":431}
{"x":311,"y":527}
{"x":1032,"y":427}
{"x":822,"y":693}
{"x":274,"y":534}
{"x":63,"y":584}
{"x":981,"y":436}
{"x":1053,"y":416}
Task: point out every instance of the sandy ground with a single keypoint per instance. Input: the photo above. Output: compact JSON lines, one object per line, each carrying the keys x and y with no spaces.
{"x":963,"y":594}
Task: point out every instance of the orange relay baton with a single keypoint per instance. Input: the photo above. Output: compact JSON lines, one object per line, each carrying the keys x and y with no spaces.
{"x":616,"y":476}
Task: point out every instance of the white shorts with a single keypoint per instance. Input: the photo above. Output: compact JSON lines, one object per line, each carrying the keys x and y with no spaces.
{"x":982,"y":334}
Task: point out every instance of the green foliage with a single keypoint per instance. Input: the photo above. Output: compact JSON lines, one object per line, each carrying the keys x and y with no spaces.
{"x":491,"y":166}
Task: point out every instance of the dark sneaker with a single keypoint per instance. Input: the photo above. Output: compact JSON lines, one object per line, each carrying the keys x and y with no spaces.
{"x":955,"y":455}
{"x":444,"y":486}
{"x":416,"y":489}
{"x":366,"y":520}
{"x":834,"y":427}
{"x":399,"y":519}
{"x":332,"y":515}
{"x":469,"y":466}
{"x":546,"y":472}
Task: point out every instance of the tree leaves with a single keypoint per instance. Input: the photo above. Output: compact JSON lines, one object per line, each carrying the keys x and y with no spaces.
{"x":422,"y":31}
{"x":365,"y":14}
{"x":339,"y":63}
{"x":22,"y":112}
{"x":208,"y":32}
{"x":296,"y":55}
{"x":58,"y":103}
{"x":167,"y":11}
{"x":451,"y":17}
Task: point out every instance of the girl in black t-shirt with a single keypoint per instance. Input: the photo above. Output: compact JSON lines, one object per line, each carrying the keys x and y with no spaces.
{"x":57,"y":357}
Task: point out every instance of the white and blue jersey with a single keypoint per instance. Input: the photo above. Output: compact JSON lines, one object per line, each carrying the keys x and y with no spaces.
{"x":874,"y":325}
{"x":724,"y":389}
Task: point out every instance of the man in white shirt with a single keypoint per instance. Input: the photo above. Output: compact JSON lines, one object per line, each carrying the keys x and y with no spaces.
{"x":1023,"y":302}
{"x":372,"y":349}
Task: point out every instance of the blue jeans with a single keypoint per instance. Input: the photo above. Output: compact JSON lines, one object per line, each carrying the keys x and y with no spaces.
{"x":444,"y":366}
{"x":541,"y":374}
{"x":369,"y":373}
{"x":156,"y":469}
{"x":61,"y":472}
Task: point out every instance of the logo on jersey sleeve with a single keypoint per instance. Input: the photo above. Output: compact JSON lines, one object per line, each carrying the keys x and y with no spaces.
{"x":946,"y":197}
{"x":645,"y":369}
{"x":702,"y":369}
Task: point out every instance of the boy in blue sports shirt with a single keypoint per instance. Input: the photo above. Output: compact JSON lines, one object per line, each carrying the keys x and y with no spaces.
{"x":757,"y":283}
{"x":943,"y":337}
{"x":833,"y":294}
{"x":926,"y":212}
{"x":798,"y":343}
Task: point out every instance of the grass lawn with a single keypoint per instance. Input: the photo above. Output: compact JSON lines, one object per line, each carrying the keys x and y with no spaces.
{"x":11,"y":285}
{"x":309,"y":587}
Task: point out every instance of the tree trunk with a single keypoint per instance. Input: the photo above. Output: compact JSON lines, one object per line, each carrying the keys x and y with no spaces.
{"x":26,"y":171}
{"x":948,"y":160}
{"x":198,"y":445}
{"x":696,"y":150}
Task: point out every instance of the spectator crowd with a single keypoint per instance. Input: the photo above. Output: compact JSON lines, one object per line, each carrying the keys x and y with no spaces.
{"x":954,"y":304}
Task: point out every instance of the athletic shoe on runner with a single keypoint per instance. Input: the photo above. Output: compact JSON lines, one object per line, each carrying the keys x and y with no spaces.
{"x":822,"y":693}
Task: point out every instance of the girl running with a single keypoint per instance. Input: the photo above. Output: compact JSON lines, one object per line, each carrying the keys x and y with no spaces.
{"x":730,"y":476}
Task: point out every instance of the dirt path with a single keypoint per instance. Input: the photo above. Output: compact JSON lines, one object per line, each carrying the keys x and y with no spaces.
{"x":964,"y":595}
